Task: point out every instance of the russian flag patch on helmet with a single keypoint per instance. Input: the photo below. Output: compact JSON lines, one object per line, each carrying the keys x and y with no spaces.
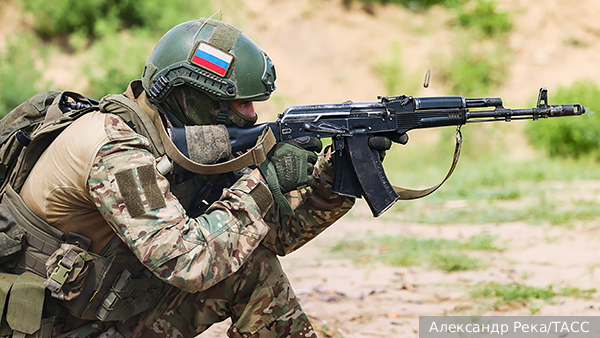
{"x":210,"y":58}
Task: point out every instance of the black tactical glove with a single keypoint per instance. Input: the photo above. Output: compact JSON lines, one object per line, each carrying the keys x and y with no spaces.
{"x":309,"y":143}
{"x":288,"y":167}
{"x":382,"y":143}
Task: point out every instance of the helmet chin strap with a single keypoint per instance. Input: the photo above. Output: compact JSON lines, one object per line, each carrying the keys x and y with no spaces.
{"x":174,"y":120}
{"x":223,"y":112}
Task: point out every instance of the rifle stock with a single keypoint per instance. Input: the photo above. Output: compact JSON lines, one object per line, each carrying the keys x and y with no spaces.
{"x":358,"y":171}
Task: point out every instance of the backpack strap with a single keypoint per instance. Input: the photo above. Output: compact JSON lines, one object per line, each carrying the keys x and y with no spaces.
{"x":16,"y":127}
{"x":134,"y":117}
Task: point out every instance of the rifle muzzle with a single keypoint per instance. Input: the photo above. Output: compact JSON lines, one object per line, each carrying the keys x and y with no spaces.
{"x":566,"y":110}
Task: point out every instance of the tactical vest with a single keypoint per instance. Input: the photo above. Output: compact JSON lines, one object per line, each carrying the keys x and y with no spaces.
{"x":35,"y":256}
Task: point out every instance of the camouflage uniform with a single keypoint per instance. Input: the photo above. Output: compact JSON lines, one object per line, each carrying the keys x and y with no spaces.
{"x":221,"y":264}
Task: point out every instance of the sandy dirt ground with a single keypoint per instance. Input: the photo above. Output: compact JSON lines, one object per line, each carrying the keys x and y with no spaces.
{"x":324,"y":52}
{"x":349,"y":299}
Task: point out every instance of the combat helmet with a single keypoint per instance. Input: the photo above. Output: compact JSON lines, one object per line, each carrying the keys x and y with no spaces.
{"x":200,"y":66}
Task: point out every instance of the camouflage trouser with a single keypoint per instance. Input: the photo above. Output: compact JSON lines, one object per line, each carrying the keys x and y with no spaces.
{"x":258,"y":298}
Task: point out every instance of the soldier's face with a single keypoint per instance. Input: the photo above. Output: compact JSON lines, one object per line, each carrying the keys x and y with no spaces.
{"x":244,"y":107}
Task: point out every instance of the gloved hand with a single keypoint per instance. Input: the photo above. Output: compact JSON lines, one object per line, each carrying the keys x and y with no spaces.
{"x":383,"y":144}
{"x":287,"y":167}
{"x":308,"y":143}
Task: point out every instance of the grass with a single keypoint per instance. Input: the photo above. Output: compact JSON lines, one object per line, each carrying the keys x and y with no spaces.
{"x":536,"y":211}
{"x":438,"y":253}
{"x":524,"y":295}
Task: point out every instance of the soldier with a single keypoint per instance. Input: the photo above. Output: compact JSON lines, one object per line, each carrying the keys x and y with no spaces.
{"x":147,"y":249}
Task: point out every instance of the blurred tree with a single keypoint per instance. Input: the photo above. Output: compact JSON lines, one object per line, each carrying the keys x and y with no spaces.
{"x":20,"y":64}
{"x":93,"y":18}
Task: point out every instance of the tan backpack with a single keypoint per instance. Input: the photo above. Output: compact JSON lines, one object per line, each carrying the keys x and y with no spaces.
{"x":25,"y":133}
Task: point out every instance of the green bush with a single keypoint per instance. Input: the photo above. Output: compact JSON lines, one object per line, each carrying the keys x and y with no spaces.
{"x":483,"y":16}
{"x":93,"y":18}
{"x":63,"y":16}
{"x":114,"y":61}
{"x":570,"y":136}
{"x":474,"y":70}
{"x":390,"y":70}
{"x":20,"y":63}
{"x":475,"y":65}
{"x":478,"y":65}
{"x":114,"y":37}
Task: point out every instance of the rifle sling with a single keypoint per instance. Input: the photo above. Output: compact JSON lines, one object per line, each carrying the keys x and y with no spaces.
{"x":409,"y":194}
{"x":251,"y":158}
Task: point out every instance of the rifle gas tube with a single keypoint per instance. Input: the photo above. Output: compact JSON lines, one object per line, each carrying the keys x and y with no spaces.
{"x":358,"y":169}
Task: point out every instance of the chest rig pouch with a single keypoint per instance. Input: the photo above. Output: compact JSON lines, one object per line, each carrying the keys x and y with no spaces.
{"x":107,"y":287}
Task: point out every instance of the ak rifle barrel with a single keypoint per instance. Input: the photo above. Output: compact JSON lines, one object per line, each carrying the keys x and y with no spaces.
{"x":549,"y":111}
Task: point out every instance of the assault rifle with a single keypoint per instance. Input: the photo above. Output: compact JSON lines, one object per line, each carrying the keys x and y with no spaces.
{"x":358,"y":169}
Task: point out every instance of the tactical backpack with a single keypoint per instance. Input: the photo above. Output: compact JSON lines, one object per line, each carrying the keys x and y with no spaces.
{"x":28,"y":244}
{"x":52,"y":110}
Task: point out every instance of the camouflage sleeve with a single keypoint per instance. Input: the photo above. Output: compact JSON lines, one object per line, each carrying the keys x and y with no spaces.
{"x":192,"y":254}
{"x":315,"y":209}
